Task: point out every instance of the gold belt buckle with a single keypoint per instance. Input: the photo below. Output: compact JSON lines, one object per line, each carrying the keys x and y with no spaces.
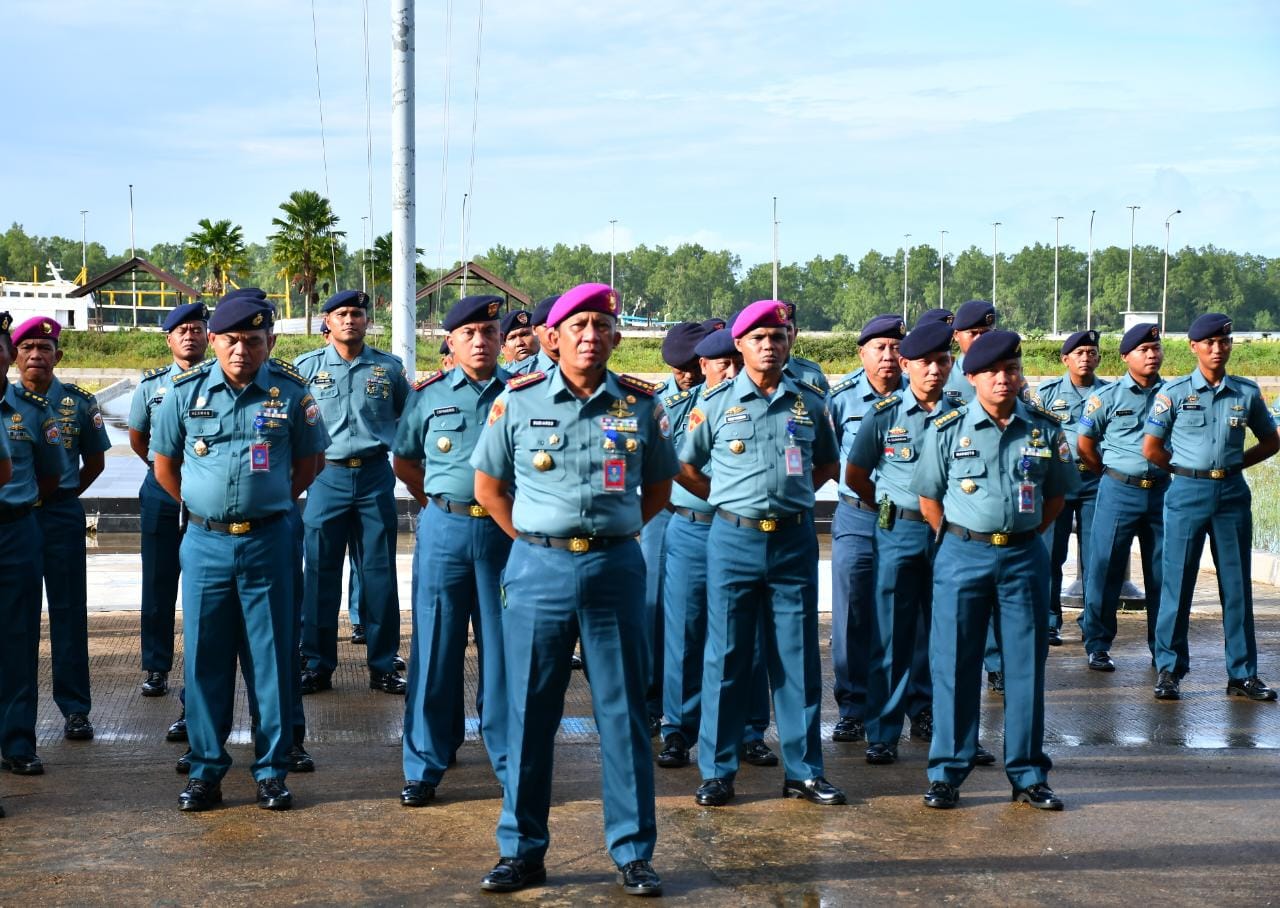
{"x":1217,"y":474}
{"x":354,"y":462}
{"x":579,"y":544}
{"x":768,"y":525}
{"x":999,"y":538}
{"x":477,"y":510}
{"x":1145,"y":483}
{"x":1081,"y":467}
{"x":239,"y":528}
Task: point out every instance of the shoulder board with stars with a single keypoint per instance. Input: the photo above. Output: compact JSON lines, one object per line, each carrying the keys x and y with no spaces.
{"x":429,"y":380}
{"x":38,"y":399}
{"x":672,"y":399}
{"x":886,"y":402}
{"x":810,"y":386}
{"x":192,"y":372}
{"x":529,"y":379}
{"x":76,"y":389}
{"x":1037,"y":409}
{"x":947,"y":419}
{"x":847,"y":383}
{"x":286,"y":369}
{"x":708,"y":393}
{"x":154,"y":373}
{"x":646,"y":388}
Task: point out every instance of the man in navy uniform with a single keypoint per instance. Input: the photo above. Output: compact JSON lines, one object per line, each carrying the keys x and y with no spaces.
{"x":460,"y":553}
{"x":973,"y":319}
{"x":1202,"y":419}
{"x":587,"y":455}
{"x":1130,"y":493}
{"x":991,"y":479}
{"x":519,"y":343}
{"x":798,"y":366}
{"x":547,"y":356}
{"x":185,"y":332}
{"x":769,"y":442}
{"x":237,"y":441}
{"x":61,"y":518}
{"x":361,"y":392}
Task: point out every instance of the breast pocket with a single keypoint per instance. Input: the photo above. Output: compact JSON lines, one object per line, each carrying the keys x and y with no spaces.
{"x":444,"y":436}
{"x":544,"y":452}
{"x":1191,"y":421}
{"x":738,"y":439}
{"x":1125,"y":423}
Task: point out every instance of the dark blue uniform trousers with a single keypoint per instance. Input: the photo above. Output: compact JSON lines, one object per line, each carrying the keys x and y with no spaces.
{"x":768,"y":579}
{"x":1123,"y":512}
{"x":1078,"y":512}
{"x":853,"y":604}
{"x":552,"y":597}
{"x":62,"y":524}
{"x":971,"y":581}
{"x":237,"y":597}
{"x":160,"y":541}
{"x":461,"y":577}
{"x":1221,"y":510}
{"x":898,"y":680}
{"x":20,"y":564}
{"x":684,"y":594}
{"x":653,"y":546}
{"x":342,"y":502}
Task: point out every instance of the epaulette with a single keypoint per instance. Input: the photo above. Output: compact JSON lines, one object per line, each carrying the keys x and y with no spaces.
{"x":76,"y":389}
{"x":846,"y":383}
{"x":1245,"y":381}
{"x":647,"y":388}
{"x":429,"y":380}
{"x":38,"y":399}
{"x":812,"y":387}
{"x":529,"y":379}
{"x":1041,"y":411}
{"x":310,"y":353}
{"x":672,"y":399}
{"x":947,"y":419}
{"x":886,"y":402}
{"x":708,"y":393}
{"x":286,"y":369}
{"x":154,"y":373}
{"x":192,"y":372}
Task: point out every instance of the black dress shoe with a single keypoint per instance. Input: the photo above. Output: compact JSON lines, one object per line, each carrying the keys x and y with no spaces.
{"x":387,"y":682}
{"x":1101,"y":662}
{"x":1167,"y":687}
{"x":273,"y":795}
{"x":199,"y":795}
{"x":1055,"y":637}
{"x":511,"y":874}
{"x":655,"y":726}
{"x":77,"y":728}
{"x":575,"y":663}
{"x":882,"y":754}
{"x":417,"y":793}
{"x":1252,"y":687}
{"x":183,"y":766}
{"x":156,"y":685}
{"x":714,"y":792}
{"x":922,"y":725}
{"x":995,"y":682}
{"x":398,"y":663}
{"x":942,"y":795}
{"x":357,"y":635}
{"x":816,"y":791}
{"x":983,"y":757}
{"x":848,"y":729}
{"x":300,"y":760}
{"x":674,"y":753}
{"x":1040,"y":796}
{"x":23,"y":766}
{"x":757,"y":753}
{"x":312,"y":681}
{"x":178,"y":730}
{"x":639,"y":878}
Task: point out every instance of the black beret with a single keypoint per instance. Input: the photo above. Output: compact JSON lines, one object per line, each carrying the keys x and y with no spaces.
{"x":717,"y":345}
{"x":991,"y":348}
{"x":883,"y":326}
{"x":791,"y":311}
{"x":6,"y":322}
{"x":240,"y":313}
{"x":945,"y":316}
{"x":514,"y":320}
{"x":678,"y":345}
{"x":714,"y":324}
{"x":253,"y":293}
{"x":974,"y":314}
{"x":543,"y":309}
{"x":344,"y":298}
{"x":444,"y":346}
{"x":190,"y":312}
{"x":1214,"y":324}
{"x":930,"y":337}
{"x":471,"y":309}
{"x":1080,"y":339}
{"x":1144,"y":333}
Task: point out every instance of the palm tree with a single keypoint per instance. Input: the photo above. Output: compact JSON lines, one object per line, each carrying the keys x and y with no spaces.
{"x":305,"y":244}
{"x":214,"y":250}
{"x":379,"y":263}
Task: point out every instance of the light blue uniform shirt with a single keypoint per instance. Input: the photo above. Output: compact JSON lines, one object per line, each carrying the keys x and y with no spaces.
{"x":1061,"y":397}
{"x":851,"y":401}
{"x":360,"y":400}
{"x":440,"y":427}
{"x":583,"y":488}
{"x":35,"y":445}
{"x":976,"y":469}
{"x":213,"y":429}
{"x":957,"y":389}
{"x":79,"y":425}
{"x":678,"y":403}
{"x":152,"y":388}
{"x":743,"y":436}
{"x":1116,"y":416}
{"x":888,"y":445}
{"x":1275,"y":411}
{"x":1204,"y":426}
{"x":807,"y":370}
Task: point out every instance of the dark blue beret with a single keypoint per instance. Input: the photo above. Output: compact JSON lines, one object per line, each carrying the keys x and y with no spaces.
{"x":240,"y":313}
{"x":188,"y":313}
{"x":883,"y":326}
{"x":679,"y":344}
{"x":344,"y":298}
{"x":324,"y":328}
{"x":714,"y":324}
{"x":1213,"y":324}
{"x":514,"y":320}
{"x":1080,"y":339}
{"x":974,"y":314}
{"x":1144,"y":333}
{"x":791,"y":311}
{"x":543,"y":309}
{"x":444,"y":346}
{"x":6,"y":322}
{"x":991,"y":348}
{"x":471,"y":309}
{"x":253,"y":293}
{"x":945,"y":316}
{"x":930,"y":337}
{"x":717,"y":345}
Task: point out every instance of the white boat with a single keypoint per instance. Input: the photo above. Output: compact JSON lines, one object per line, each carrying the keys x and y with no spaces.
{"x":25,"y":299}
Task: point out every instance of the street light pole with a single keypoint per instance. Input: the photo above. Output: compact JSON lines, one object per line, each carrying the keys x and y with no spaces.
{"x":906,"y":257}
{"x":1088,"y":284}
{"x":942,"y":269}
{"x":775,"y":247}
{"x":613,"y":247}
{"x":1133,"y":214}
{"x":364,"y":256}
{"x":1057,"y":233}
{"x":994,"y":231}
{"x":84,"y":247}
{"x":133,"y":253}
{"x":1164,"y":294}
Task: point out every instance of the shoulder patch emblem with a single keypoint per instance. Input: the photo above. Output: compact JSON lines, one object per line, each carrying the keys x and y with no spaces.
{"x":428,"y":380}
{"x":638,"y":384}
{"x":523,"y":381}
{"x":887,"y":402}
{"x":495,"y":412}
{"x":1092,"y":405}
{"x":696,"y":418}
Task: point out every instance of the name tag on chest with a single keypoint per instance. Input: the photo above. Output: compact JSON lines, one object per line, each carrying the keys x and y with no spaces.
{"x":202,"y":413}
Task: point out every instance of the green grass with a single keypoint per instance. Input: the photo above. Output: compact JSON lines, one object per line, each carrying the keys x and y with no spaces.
{"x":1264,"y":481}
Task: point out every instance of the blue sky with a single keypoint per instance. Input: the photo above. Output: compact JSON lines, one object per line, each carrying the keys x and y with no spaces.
{"x":681,"y":120}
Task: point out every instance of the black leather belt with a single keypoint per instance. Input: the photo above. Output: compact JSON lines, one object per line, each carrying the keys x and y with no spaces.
{"x":454,"y":507}
{"x":13,"y":515}
{"x":57,"y":496}
{"x":576,"y":544}
{"x":1223,"y":473}
{"x":764,"y":524}
{"x":1142,"y":482}
{"x":690,"y":514}
{"x":1000,"y":539}
{"x":355,"y":463}
{"x":237,"y":527}
{"x":907,"y":514}
{"x":858,"y":503}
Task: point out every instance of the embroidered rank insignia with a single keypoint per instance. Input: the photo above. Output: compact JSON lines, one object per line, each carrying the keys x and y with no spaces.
{"x":428,"y":380}
{"x":636,"y":384}
{"x":526,"y":380}
{"x":887,"y":402}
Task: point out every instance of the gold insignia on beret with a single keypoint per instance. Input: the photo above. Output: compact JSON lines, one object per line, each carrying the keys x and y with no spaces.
{"x":1226,"y":329}
{"x":902,"y":329}
{"x":990,"y":318}
{"x":257,"y":320}
{"x":493,"y":310}
{"x":1155,"y":332}
{"x":444,"y":444}
{"x":613,"y":302}
{"x":782,"y":313}
{"x":737,"y":446}
{"x":542,"y":461}
{"x":522,"y":318}
{"x":5,"y":321}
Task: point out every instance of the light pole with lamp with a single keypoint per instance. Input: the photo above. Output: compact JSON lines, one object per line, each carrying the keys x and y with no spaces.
{"x":906,"y":257}
{"x":1088,"y":282}
{"x":1133,"y":214}
{"x":613,"y":247}
{"x":942,"y":269}
{"x":1057,"y":228}
{"x":995,"y":227}
{"x":1164,"y":294}
{"x":84,"y":247}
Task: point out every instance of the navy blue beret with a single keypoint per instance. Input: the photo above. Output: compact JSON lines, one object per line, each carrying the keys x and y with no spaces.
{"x":444,"y":346}
{"x":188,"y":313}
{"x":1213,"y":324}
{"x":240,"y":313}
{"x":945,"y":316}
{"x":883,"y":326}
{"x":791,"y":311}
{"x":1080,"y":339}
{"x":931,"y":337}
{"x":6,"y":322}
{"x":543,"y":309}
{"x":990,"y":349}
{"x":717,"y":345}
{"x":679,"y":344}
{"x":515,"y":320}
{"x":471,"y":309}
{"x":344,"y":298}
{"x":1144,"y":333}
{"x":253,"y":293}
{"x":324,"y":328}
{"x":974,"y":314}
{"x":714,"y":324}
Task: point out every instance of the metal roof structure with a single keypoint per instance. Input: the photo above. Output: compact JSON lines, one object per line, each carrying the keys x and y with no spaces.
{"x":159,"y":275}
{"x":475,"y":273}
